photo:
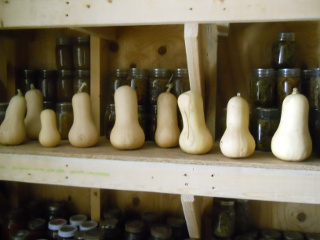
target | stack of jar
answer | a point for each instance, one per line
(148, 85)
(269, 87)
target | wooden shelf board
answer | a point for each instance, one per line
(261, 177)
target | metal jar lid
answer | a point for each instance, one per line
(109, 223)
(94, 234)
(289, 72)
(36, 223)
(287, 36)
(176, 221)
(263, 72)
(161, 231)
(180, 72)
(135, 226)
(64, 40)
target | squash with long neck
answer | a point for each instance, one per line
(292, 141)
(83, 132)
(195, 137)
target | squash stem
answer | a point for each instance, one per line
(19, 92)
(32, 86)
(82, 86)
(169, 86)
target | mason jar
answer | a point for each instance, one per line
(81, 52)
(287, 79)
(314, 89)
(224, 221)
(28, 77)
(80, 77)
(109, 119)
(305, 82)
(65, 86)
(284, 51)
(180, 81)
(64, 113)
(135, 230)
(47, 85)
(138, 80)
(118, 79)
(64, 53)
(158, 83)
(263, 87)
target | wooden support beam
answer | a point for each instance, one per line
(95, 203)
(107, 33)
(192, 212)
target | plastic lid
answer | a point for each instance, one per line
(56, 224)
(36, 223)
(87, 225)
(67, 231)
(176, 221)
(76, 220)
(135, 226)
(161, 231)
(109, 223)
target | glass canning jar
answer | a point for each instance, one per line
(314, 126)
(94, 234)
(22, 234)
(135, 230)
(291, 235)
(65, 86)
(81, 52)
(178, 227)
(151, 123)
(287, 79)
(14, 221)
(159, 79)
(53, 227)
(161, 232)
(138, 80)
(81, 76)
(109, 119)
(47, 85)
(3, 109)
(111, 228)
(242, 215)
(180, 81)
(263, 87)
(37, 227)
(28, 77)
(314, 88)
(265, 122)
(64, 53)
(118, 79)
(224, 221)
(284, 51)
(305, 82)
(64, 113)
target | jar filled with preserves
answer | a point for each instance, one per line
(49, 105)
(161, 232)
(81, 52)
(94, 234)
(152, 122)
(287, 79)
(109, 119)
(158, 82)
(66, 232)
(56, 210)
(314, 126)
(111, 228)
(53, 227)
(3, 109)
(65, 86)
(64, 53)
(263, 87)
(142, 117)
(81, 76)
(180, 81)
(28, 77)
(178, 227)
(284, 51)
(47, 85)
(314, 90)
(37, 227)
(224, 221)
(64, 113)
(135, 230)
(305, 82)
(118, 79)
(151, 218)
(15, 220)
(138, 80)
(242, 215)
(265, 123)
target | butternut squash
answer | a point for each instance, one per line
(83, 132)
(195, 137)
(167, 133)
(49, 135)
(292, 141)
(13, 130)
(126, 133)
(34, 100)
(237, 141)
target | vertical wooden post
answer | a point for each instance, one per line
(95, 204)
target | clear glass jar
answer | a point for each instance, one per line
(64, 53)
(49, 105)
(79, 235)
(53, 227)
(242, 216)
(76, 220)
(64, 86)
(161, 232)
(264, 124)
(224, 221)
(314, 89)
(111, 228)
(271, 234)
(28, 77)
(142, 117)
(22, 234)
(180, 81)
(263, 87)
(87, 225)
(109, 119)
(81, 52)
(152, 123)
(314, 126)
(151, 218)
(305, 82)
(47, 85)
(138, 80)
(81, 76)
(64, 113)
(37, 227)
(284, 51)
(66, 232)
(118, 79)
(3, 109)
(15, 220)
(135, 230)
(94, 234)
(159, 78)
(287, 79)
(178, 227)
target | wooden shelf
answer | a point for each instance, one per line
(261, 177)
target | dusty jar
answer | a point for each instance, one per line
(64, 54)
(287, 79)
(81, 52)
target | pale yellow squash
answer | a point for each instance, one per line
(167, 133)
(237, 141)
(49, 135)
(83, 132)
(195, 137)
(127, 133)
(34, 100)
(13, 130)
(292, 141)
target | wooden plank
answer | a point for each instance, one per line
(100, 32)
(95, 203)
(191, 34)
(165, 170)
(192, 213)
(47, 13)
